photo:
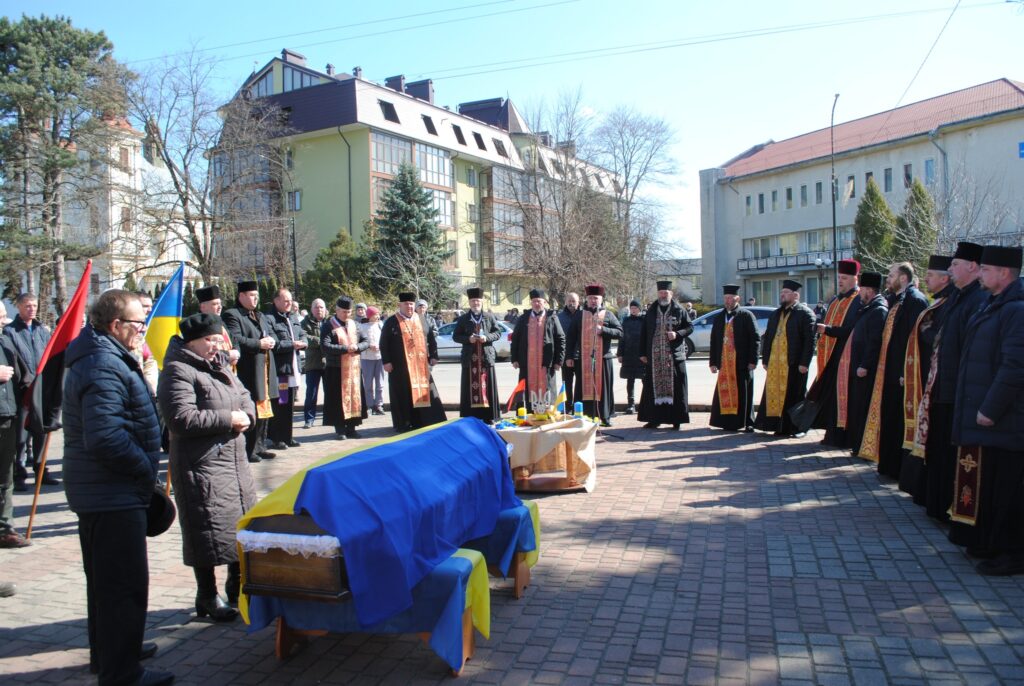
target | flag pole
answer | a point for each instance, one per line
(39, 484)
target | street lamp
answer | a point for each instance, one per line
(822, 264)
(835, 190)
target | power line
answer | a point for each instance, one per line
(329, 28)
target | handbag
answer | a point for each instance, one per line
(161, 512)
(803, 414)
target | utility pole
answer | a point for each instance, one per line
(835, 190)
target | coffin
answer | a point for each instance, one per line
(289, 556)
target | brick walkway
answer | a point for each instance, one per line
(702, 557)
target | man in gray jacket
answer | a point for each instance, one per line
(12, 378)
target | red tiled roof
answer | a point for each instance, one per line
(917, 118)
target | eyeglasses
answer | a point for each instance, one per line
(141, 324)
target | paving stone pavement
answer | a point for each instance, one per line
(702, 558)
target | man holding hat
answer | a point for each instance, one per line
(538, 350)
(589, 351)
(786, 355)
(344, 397)
(733, 357)
(630, 366)
(211, 303)
(477, 331)
(883, 432)
(918, 377)
(286, 327)
(988, 422)
(252, 336)
(855, 370)
(840, 318)
(940, 453)
(663, 400)
(408, 351)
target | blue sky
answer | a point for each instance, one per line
(738, 72)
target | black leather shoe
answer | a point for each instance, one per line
(20, 486)
(631, 409)
(339, 436)
(149, 649)
(1003, 565)
(293, 444)
(47, 478)
(352, 433)
(267, 455)
(255, 458)
(675, 427)
(232, 587)
(151, 677)
(7, 589)
(215, 608)
(651, 425)
(279, 445)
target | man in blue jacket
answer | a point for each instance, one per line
(988, 422)
(111, 454)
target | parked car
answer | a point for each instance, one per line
(700, 340)
(447, 349)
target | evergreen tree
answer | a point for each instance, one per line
(874, 230)
(918, 230)
(129, 283)
(409, 249)
(339, 269)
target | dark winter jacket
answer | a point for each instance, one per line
(678, 322)
(287, 331)
(246, 329)
(567, 320)
(12, 389)
(953, 337)
(799, 333)
(30, 343)
(630, 366)
(213, 486)
(991, 375)
(466, 327)
(111, 430)
(866, 337)
(744, 333)
(314, 359)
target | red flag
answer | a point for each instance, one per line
(46, 393)
(521, 386)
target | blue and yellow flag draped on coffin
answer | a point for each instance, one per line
(163, 320)
(400, 507)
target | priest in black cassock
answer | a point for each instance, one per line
(477, 331)
(840, 318)
(342, 341)
(407, 352)
(538, 350)
(786, 355)
(664, 400)
(589, 347)
(855, 374)
(733, 357)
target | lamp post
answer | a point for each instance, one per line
(295, 262)
(835, 189)
(822, 264)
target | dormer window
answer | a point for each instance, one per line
(388, 110)
(479, 141)
(429, 123)
(500, 147)
(458, 134)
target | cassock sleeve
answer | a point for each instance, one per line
(717, 337)
(1009, 380)
(873, 344)
(612, 326)
(387, 353)
(558, 352)
(806, 337)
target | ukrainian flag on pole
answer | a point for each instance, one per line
(560, 400)
(163, 320)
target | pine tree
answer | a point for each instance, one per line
(129, 283)
(339, 269)
(874, 230)
(409, 250)
(918, 230)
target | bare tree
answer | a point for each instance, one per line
(973, 207)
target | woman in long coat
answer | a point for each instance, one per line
(207, 410)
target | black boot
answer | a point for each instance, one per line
(233, 585)
(208, 603)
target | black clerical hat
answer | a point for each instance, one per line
(791, 285)
(871, 280)
(939, 263)
(246, 286)
(968, 251)
(664, 285)
(343, 303)
(538, 293)
(474, 293)
(730, 289)
(406, 297)
(1001, 256)
(207, 293)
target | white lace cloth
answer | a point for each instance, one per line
(295, 544)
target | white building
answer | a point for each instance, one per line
(766, 214)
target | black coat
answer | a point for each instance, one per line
(867, 335)
(913, 303)
(629, 351)
(953, 338)
(680, 324)
(284, 328)
(744, 333)
(392, 347)
(111, 429)
(466, 327)
(554, 341)
(991, 375)
(246, 329)
(611, 330)
(332, 350)
(12, 389)
(568, 320)
(799, 333)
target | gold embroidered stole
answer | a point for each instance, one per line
(873, 425)
(592, 354)
(347, 334)
(414, 344)
(843, 383)
(728, 386)
(834, 316)
(264, 408)
(477, 373)
(536, 373)
(778, 369)
(924, 409)
(967, 487)
(912, 391)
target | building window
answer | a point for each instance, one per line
(294, 79)
(760, 203)
(803, 195)
(851, 186)
(818, 193)
(479, 141)
(887, 180)
(471, 177)
(388, 110)
(558, 167)
(540, 164)
(474, 213)
(458, 134)
(289, 159)
(294, 201)
(433, 165)
(453, 255)
(389, 152)
(443, 204)
(124, 157)
(750, 205)
(429, 123)
(500, 147)
(908, 175)
(265, 86)
(789, 198)
(867, 178)
(929, 172)
(494, 293)
(472, 251)
(126, 220)
(378, 189)
(775, 201)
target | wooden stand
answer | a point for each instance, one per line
(468, 640)
(560, 480)
(520, 574)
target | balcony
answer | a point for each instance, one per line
(796, 260)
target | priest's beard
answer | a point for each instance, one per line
(663, 301)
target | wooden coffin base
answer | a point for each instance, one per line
(520, 574)
(289, 637)
(545, 482)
